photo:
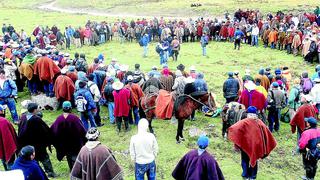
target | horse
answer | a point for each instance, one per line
(186, 104)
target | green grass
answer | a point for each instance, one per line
(221, 59)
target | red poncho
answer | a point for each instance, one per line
(46, 69)
(64, 88)
(8, 139)
(121, 105)
(253, 98)
(253, 137)
(164, 105)
(304, 111)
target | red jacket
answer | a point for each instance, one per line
(121, 102)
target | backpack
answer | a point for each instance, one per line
(307, 85)
(81, 103)
(81, 65)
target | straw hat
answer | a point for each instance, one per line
(192, 68)
(117, 85)
(189, 80)
(250, 86)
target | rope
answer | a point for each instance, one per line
(210, 106)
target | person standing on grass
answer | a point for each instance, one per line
(108, 90)
(309, 148)
(30, 168)
(204, 41)
(254, 140)
(121, 104)
(238, 35)
(254, 35)
(143, 151)
(68, 135)
(144, 42)
(95, 161)
(198, 164)
(8, 143)
(94, 90)
(175, 48)
(231, 88)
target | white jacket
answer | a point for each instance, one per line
(315, 93)
(93, 88)
(255, 31)
(143, 146)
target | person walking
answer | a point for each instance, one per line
(231, 88)
(143, 151)
(238, 35)
(122, 103)
(144, 42)
(204, 41)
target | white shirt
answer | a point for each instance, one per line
(93, 88)
(143, 148)
(315, 93)
(255, 31)
(12, 175)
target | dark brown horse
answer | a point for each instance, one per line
(183, 108)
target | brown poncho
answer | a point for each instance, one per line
(96, 162)
(26, 70)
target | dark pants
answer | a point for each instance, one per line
(68, 41)
(97, 117)
(175, 55)
(247, 170)
(71, 159)
(232, 99)
(273, 119)
(119, 122)
(7, 165)
(47, 165)
(149, 169)
(310, 165)
(32, 85)
(237, 43)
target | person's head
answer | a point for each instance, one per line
(66, 106)
(113, 61)
(258, 81)
(83, 56)
(304, 74)
(96, 60)
(91, 77)
(230, 74)
(275, 85)
(76, 55)
(2, 74)
(93, 134)
(1, 109)
(82, 84)
(129, 78)
(27, 153)
(32, 108)
(311, 122)
(137, 66)
(261, 71)
(143, 125)
(203, 142)
(296, 81)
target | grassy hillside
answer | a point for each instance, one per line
(281, 164)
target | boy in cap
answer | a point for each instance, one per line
(309, 147)
(198, 164)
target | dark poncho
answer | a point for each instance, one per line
(31, 169)
(34, 132)
(69, 135)
(195, 167)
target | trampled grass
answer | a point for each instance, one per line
(281, 164)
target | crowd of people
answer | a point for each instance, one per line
(38, 63)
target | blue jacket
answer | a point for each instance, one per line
(239, 34)
(201, 85)
(230, 88)
(9, 88)
(88, 96)
(204, 41)
(145, 40)
(31, 169)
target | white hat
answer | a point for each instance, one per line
(64, 71)
(189, 80)
(192, 68)
(307, 97)
(316, 80)
(67, 55)
(247, 72)
(113, 60)
(117, 85)
(15, 45)
(130, 78)
(60, 53)
(250, 86)
(124, 67)
(154, 68)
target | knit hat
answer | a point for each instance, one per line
(252, 110)
(275, 85)
(27, 151)
(92, 134)
(203, 142)
(66, 105)
(311, 120)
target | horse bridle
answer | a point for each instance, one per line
(196, 100)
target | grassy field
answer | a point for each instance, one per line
(281, 164)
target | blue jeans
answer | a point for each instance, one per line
(204, 50)
(145, 51)
(273, 119)
(85, 116)
(102, 38)
(48, 89)
(247, 170)
(12, 107)
(254, 40)
(141, 169)
(273, 45)
(32, 86)
(162, 59)
(136, 116)
(110, 109)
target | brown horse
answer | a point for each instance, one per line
(183, 108)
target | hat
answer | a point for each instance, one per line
(69, 61)
(316, 80)
(189, 80)
(15, 45)
(252, 109)
(279, 82)
(27, 151)
(66, 105)
(124, 67)
(117, 85)
(250, 86)
(67, 55)
(178, 73)
(64, 71)
(181, 67)
(236, 73)
(154, 68)
(92, 134)
(24, 105)
(277, 71)
(113, 60)
(192, 68)
(311, 120)
(230, 74)
(203, 142)
(247, 72)
(130, 78)
(275, 84)
(71, 68)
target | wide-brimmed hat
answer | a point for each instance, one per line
(189, 80)
(247, 72)
(192, 68)
(117, 85)
(124, 67)
(250, 86)
(130, 78)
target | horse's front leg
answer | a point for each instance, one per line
(150, 125)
